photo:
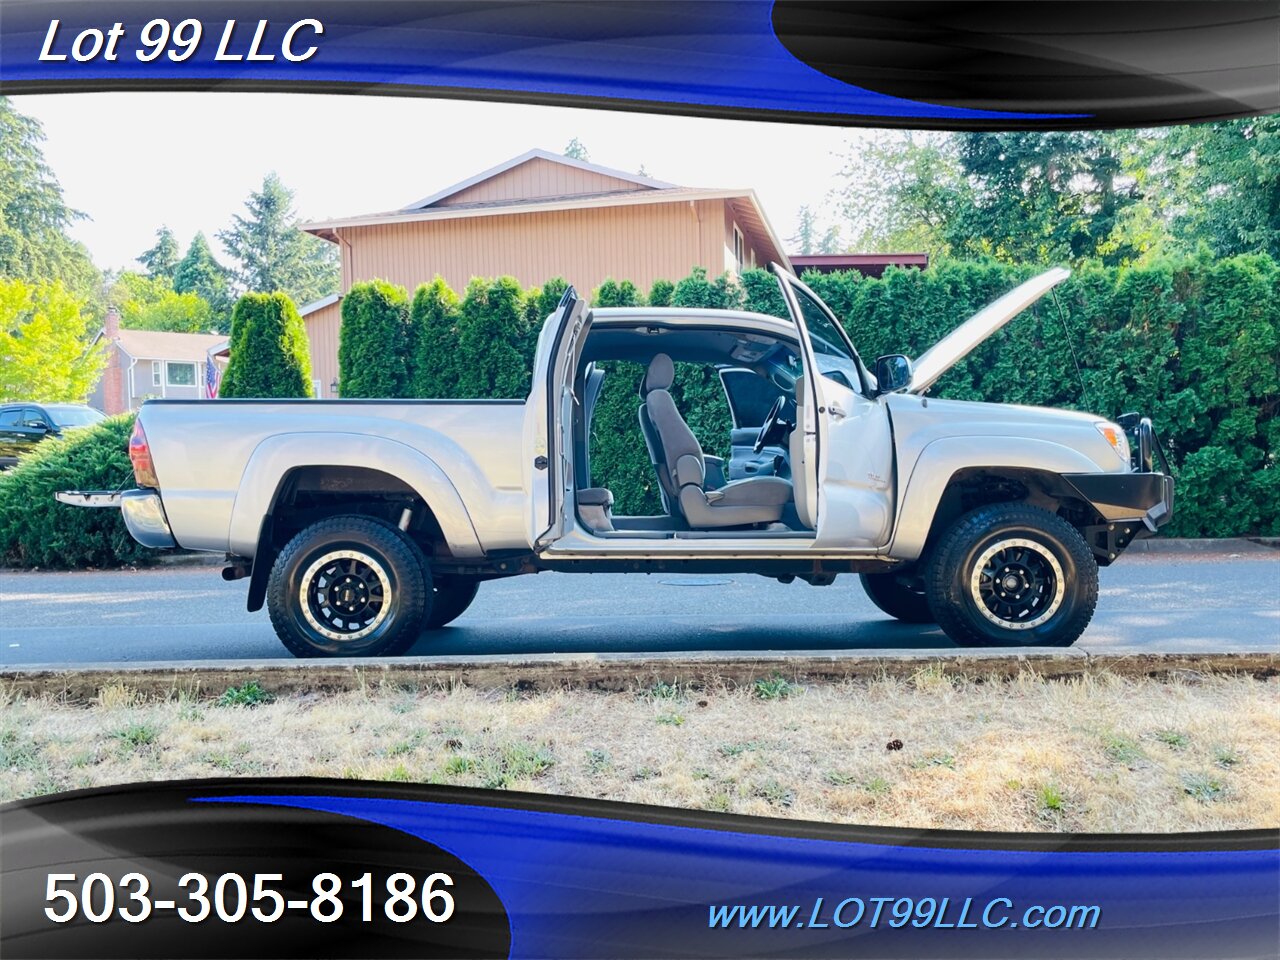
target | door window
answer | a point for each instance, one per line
(10, 417)
(750, 396)
(835, 358)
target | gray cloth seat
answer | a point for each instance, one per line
(682, 468)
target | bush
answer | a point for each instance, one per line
(270, 356)
(376, 341)
(37, 531)
(433, 370)
(492, 340)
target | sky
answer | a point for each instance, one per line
(135, 161)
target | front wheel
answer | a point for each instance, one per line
(350, 586)
(1008, 574)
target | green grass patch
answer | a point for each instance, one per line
(248, 694)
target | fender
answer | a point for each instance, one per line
(272, 459)
(941, 459)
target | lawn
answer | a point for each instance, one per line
(1090, 753)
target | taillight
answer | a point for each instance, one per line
(144, 471)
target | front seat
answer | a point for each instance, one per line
(740, 503)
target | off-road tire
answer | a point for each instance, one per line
(895, 598)
(398, 572)
(452, 597)
(956, 595)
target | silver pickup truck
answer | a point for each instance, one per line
(363, 523)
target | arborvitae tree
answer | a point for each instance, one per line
(199, 273)
(433, 371)
(273, 254)
(376, 341)
(660, 293)
(614, 294)
(162, 259)
(491, 335)
(270, 356)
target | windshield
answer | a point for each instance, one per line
(69, 416)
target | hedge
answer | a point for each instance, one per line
(376, 342)
(269, 352)
(1195, 344)
(37, 531)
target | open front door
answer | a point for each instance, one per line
(842, 462)
(549, 421)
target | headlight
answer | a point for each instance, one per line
(1115, 436)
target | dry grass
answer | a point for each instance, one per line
(1091, 754)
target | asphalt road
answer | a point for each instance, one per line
(1193, 603)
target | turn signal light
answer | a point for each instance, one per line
(1116, 437)
(144, 471)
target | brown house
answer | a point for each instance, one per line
(537, 216)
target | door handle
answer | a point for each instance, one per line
(837, 411)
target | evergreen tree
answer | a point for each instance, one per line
(576, 151)
(433, 372)
(33, 216)
(491, 337)
(375, 342)
(273, 254)
(806, 231)
(161, 260)
(614, 294)
(199, 273)
(270, 356)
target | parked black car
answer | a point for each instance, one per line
(23, 425)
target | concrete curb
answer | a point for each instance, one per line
(606, 672)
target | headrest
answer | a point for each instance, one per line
(660, 375)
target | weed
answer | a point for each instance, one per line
(877, 786)
(136, 735)
(664, 691)
(671, 719)
(700, 773)
(738, 749)
(249, 694)
(598, 762)
(1050, 798)
(775, 794)
(645, 773)
(935, 760)
(1202, 787)
(1172, 739)
(399, 773)
(838, 779)
(1226, 757)
(776, 687)
(1121, 749)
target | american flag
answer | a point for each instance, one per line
(212, 378)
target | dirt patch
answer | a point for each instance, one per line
(1089, 753)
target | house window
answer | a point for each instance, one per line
(156, 367)
(739, 248)
(181, 374)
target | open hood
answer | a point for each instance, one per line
(955, 346)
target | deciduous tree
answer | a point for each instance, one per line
(45, 354)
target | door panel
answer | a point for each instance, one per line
(848, 456)
(745, 462)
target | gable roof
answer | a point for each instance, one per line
(158, 345)
(634, 179)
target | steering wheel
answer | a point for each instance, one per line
(771, 421)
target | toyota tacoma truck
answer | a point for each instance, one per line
(360, 524)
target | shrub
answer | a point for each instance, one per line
(614, 294)
(376, 341)
(433, 370)
(270, 356)
(37, 531)
(492, 334)
(660, 293)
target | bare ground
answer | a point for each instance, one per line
(1087, 754)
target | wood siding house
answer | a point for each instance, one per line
(537, 216)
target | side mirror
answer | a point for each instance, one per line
(893, 372)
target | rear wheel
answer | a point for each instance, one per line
(452, 597)
(349, 586)
(899, 594)
(1009, 574)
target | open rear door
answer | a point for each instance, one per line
(549, 421)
